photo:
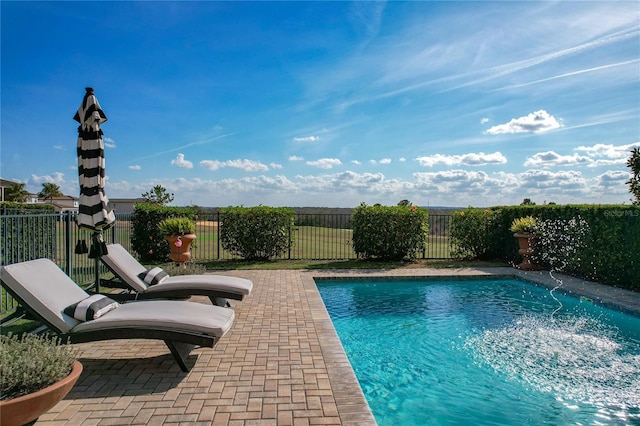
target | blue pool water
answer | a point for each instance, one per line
(486, 352)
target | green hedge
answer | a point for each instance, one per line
(389, 232)
(610, 246)
(146, 239)
(256, 232)
(10, 207)
(472, 232)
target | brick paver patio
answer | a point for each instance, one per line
(281, 364)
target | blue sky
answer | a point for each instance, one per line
(328, 104)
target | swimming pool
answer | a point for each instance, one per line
(486, 351)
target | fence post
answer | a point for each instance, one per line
(68, 250)
(113, 230)
(289, 239)
(218, 231)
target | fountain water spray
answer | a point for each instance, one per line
(558, 246)
(579, 359)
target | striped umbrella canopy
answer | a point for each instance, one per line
(93, 211)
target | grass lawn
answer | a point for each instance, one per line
(346, 264)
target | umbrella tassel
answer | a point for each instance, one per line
(81, 247)
(94, 253)
(98, 247)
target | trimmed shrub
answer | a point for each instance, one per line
(472, 232)
(147, 240)
(389, 232)
(256, 233)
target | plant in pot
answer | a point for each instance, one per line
(36, 373)
(524, 231)
(179, 232)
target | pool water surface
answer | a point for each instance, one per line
(486, 352)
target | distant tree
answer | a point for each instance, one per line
(16, 192)
(158, 195)
(50, 190)
(404, 203)
(634, 183)
(527, 202)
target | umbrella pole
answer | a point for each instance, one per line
(96, 242)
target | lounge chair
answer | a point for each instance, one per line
(127, 271)
(45, 291)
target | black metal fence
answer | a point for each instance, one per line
(54, 236)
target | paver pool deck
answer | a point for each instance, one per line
(281, 364)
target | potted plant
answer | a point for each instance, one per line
(524, 231)
(36, 373)
(179, 232)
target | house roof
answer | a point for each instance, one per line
(6, 183)
(127, 200)
(62, 198)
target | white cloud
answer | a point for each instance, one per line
(614, 181)
(607, 154)
(348, 188)
(484, 120)
(307, 139)
(536, 122)
(135, 167)
(457, 183)
(181, 162)
(614, 175)
(381, 161)
(544, 179)
(402, 159)
(242, 164)
(212, 164)
(471, 159)
(295, 158)
(58, 147)
(109, 143)
(275, 166)
(356, 162)
(325, 163)
(435, 178)
(603, 162)
(56, 177)
(551, 158)
(349, 179)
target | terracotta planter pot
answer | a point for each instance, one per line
(180, 245)
(526, 247)
(27, 408)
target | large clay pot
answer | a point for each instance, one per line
(27, 408)
(525, 244)
(179, 245)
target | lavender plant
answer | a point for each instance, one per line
(31, 363)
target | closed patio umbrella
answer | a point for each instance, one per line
(93, 211)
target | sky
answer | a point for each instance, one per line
(328, 104)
